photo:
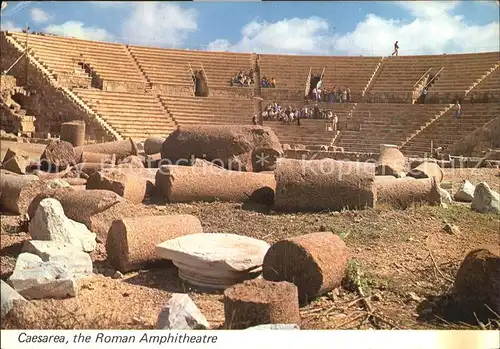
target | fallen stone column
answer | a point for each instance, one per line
(153, 145)
(317, 185)
(205, 163)
(131, 242)
(316, 263)
(59, 154)
(234, 147)
(130, 187)
(50, 175)
(80, 205)
(145, 174)
(50, 193)
(132, 162)
(89, 168)
(101, 222)
(97, 158)
(73, 132)
(121, 149)
(18, 191)
(76, 181)
(405, 192)
(391, 162)
(427, 170)
(259, 302)
(210, 183)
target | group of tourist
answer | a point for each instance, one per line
(37, 33)
(286, 115)
(268, 82)
(243, 79)
(336, 94)
(289, 114)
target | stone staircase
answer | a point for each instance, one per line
(482, 78)
(13, 116)
(446, 130)
(372, 78)
(67, 92)
(149, 85)
(424, 126)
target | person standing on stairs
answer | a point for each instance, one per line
(424, 94)
(458, 110)
(396, 48)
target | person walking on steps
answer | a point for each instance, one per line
(396, 49)
(458, 110)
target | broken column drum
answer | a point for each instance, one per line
(427, 170)
(235, 147)
(391, 162)
(131, 242)
(73, 132)
(316, 263)
(121, 149)
(259, 302)
(210, 183)
(317, 185)
(404, 192)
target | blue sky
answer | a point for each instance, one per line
(340, 28)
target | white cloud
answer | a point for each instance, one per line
(295, 35)
(40, 16)
(160, 24)
(10, 25)
(433, 29)
(78, 30)
(219, 45)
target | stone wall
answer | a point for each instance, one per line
(123, 86)
(232, 92)
(173, 90)
(72, 81)
(48, 104)
(388, 97)
(444, 97)
(282, 94)
(342, 156)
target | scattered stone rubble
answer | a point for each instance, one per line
(180, 313)
(98, 193)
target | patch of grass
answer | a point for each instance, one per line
(461, 213)
(341, 233)
(355, 277)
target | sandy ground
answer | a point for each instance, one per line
(405, 258)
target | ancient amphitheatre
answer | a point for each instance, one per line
(386, 251)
